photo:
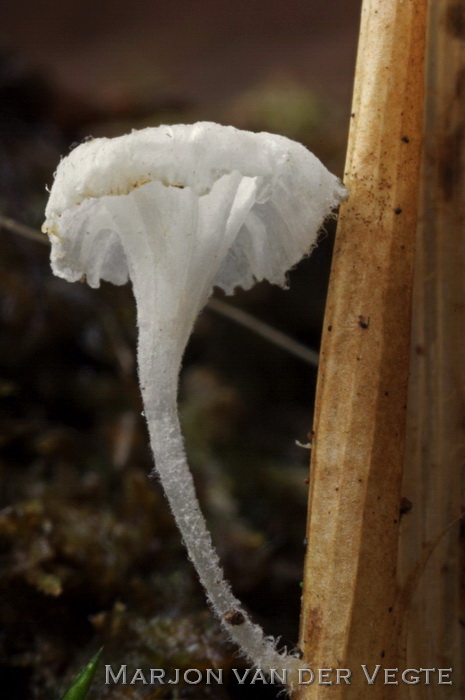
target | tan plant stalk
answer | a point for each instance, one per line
(350, 580)
(435, 456)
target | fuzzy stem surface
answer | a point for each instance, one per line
(159, 381)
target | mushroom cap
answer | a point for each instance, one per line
(275, 197)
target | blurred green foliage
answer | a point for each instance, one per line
(83, 680)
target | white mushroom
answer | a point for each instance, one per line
(179, 210)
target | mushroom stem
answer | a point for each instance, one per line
(159, 391)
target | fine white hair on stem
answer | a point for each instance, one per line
(179, 210)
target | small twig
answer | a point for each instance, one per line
(124, 439)
(265, 331)
(23, 230)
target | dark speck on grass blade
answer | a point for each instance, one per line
(83, 680)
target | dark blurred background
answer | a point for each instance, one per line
(88, 550)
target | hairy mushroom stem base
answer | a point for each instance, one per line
(159, 391)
